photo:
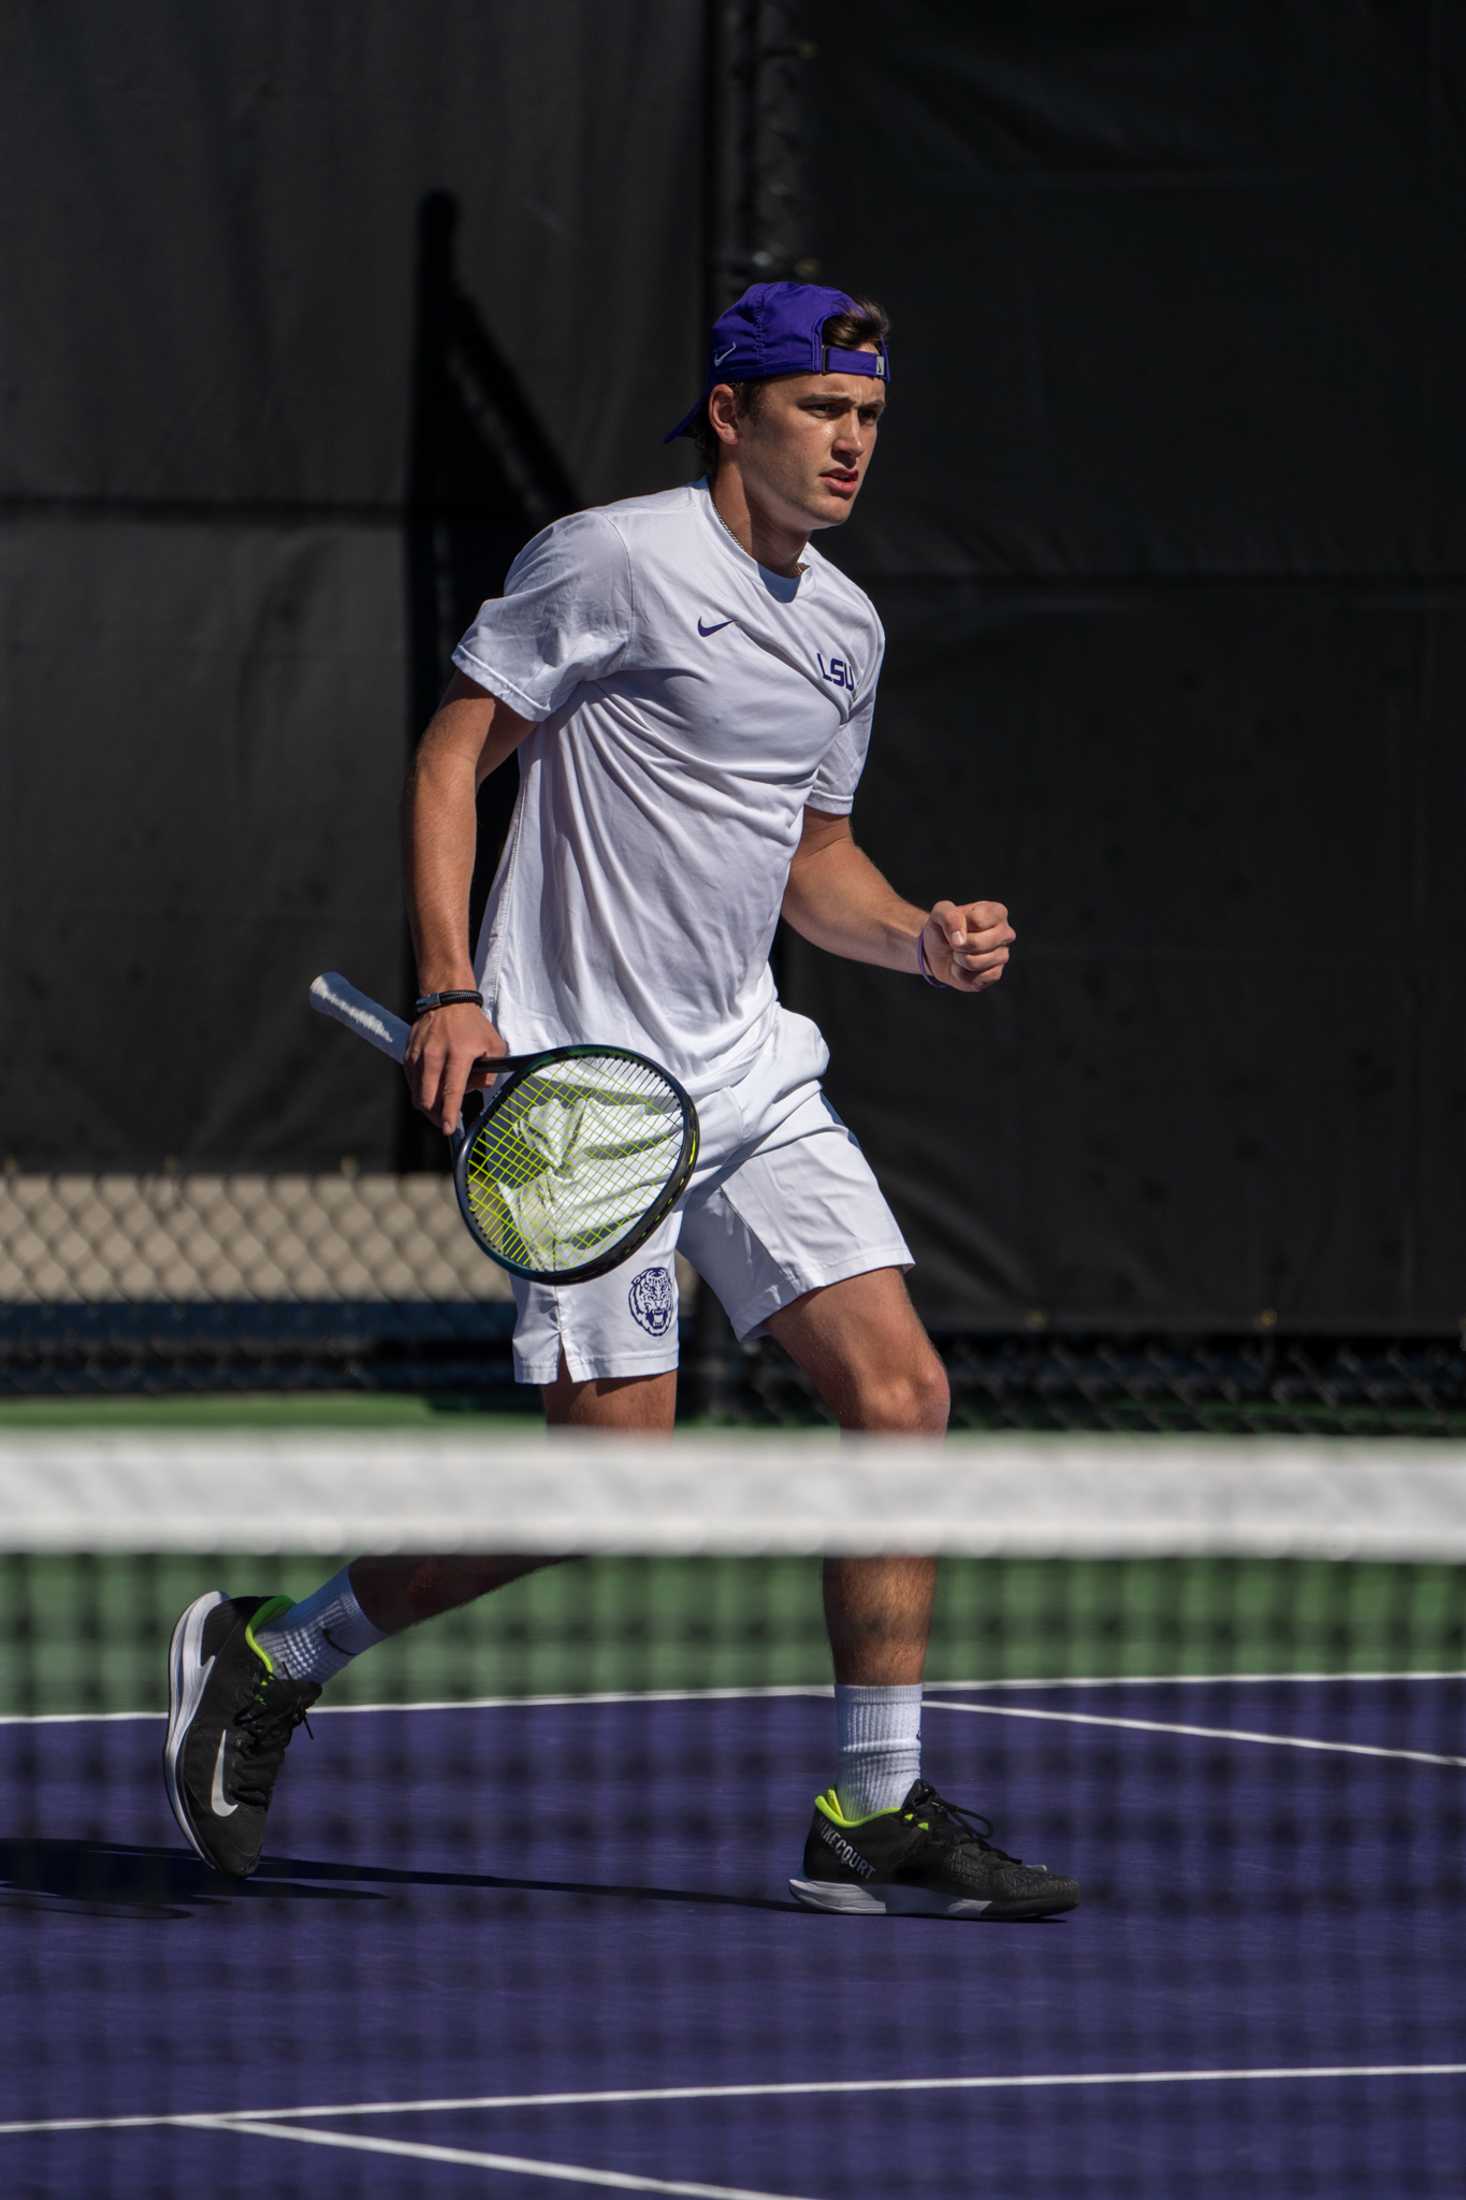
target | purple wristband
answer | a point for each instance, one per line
(922, 964)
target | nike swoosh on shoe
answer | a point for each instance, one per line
(218, 1802)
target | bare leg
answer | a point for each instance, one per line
(867, 1354)
(398, 1592)
(622, 1404)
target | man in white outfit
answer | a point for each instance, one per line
(689, 687)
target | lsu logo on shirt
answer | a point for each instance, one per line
(839, 672)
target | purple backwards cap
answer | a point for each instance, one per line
(779, 328)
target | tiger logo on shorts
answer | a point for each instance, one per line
(653, 1300)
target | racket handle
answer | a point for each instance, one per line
(333, 995)
(336, 996)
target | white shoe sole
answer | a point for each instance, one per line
(187, 1675)
(848, 1899)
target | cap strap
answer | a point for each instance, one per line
(855, 362)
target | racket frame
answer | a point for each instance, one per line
(621, 1248)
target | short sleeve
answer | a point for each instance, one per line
(844, 760)
(565, 617)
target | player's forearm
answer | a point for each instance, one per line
(839, 901)
(439, 833)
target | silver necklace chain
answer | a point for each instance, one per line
(727, 530)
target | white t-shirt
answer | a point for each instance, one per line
(688, 704)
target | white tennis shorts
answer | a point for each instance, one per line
(782, 1201)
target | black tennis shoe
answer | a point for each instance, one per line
(927, 1858)
(230, 1719)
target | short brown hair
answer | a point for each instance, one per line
(866, 323)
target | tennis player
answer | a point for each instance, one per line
(689, 686)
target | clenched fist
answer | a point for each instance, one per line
(967, 944)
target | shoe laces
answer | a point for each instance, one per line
(265, 1726)
(953, 1821)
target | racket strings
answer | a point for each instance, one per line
(571, 1158)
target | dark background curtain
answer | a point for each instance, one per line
(313, 316)
(1168, 533)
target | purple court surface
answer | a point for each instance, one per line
(549, 1949)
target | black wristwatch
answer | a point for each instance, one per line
(426, 1002)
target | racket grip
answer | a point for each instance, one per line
(333, 995)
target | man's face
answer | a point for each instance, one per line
(804, 448)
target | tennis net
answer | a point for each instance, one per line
(523, 1918)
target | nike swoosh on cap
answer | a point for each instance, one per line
(716, 628)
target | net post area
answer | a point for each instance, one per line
(527, 1904)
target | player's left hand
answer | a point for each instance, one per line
(967, 944)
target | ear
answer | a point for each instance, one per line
(723, 413)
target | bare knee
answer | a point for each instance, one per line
(912, 1399)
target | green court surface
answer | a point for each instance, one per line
(95, 1631)
(263, 1410)
(439, 1409)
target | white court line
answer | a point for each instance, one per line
(782, 2089)
(592, 1696)
(1200, 1733)
(569, 2173)
(730, 1695)
(1183, 1680)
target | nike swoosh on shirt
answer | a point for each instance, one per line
(217, 1803)
(715, 629)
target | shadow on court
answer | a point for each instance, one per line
(103, 1875)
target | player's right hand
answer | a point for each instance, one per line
(443, 1050)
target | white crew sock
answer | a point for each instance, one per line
(878, 1734)
(316, 1637)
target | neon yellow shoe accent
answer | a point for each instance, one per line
(270, 1609)
(829, 1804)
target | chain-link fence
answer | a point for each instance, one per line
(169, 1283)
(173, 1282)
(1235, 1385)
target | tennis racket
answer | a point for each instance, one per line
(575, 1157)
